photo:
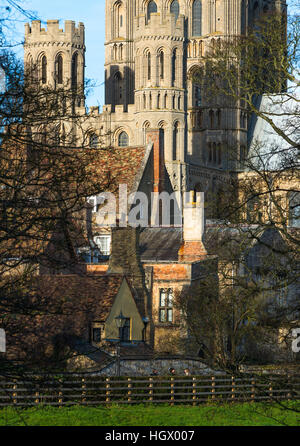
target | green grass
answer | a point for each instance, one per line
(250, 414)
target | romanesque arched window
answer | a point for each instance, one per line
(44, 70)
(219, 154)
(243, 17)
(93, 141)
(59, 69)
(118, 88)
(255, 11)
(158, 101)
(210, 152)
(75, 70)
(30, 71)
(123, 140)
(161, 65)
(197, 95)
(174, 66)
(152, 8)
(175, 141)
(119, 22)
(197, 18)
(214, 153)
(211, 119)
(219, 118)
(149, 66)
(174, 9)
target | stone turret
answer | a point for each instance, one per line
(58, 55)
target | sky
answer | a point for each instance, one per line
(92, 14)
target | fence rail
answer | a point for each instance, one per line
(87, 390)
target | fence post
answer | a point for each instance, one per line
(37, 400)
(129, 389)
(253, 389)
(150, 389)
(107, 392)
(83, 393)
(213, 383)
(270, 390)
(289, 387)
(172, 391)
(15, 392)
(232, 388)
(194, 391)
(60, 394)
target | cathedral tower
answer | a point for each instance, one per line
(119, 53)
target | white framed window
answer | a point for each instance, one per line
(103, 243)
(166, 305)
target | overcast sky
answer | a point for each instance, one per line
(92, 14)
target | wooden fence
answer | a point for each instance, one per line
(70, 390)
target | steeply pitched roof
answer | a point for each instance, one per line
(80, 294)
(123, 166)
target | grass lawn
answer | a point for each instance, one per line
(250, 414)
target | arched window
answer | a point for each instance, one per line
(211, 119)
(44, 70)
(294, 209)
(59, 69)
(165, 100)
(255, 11)
(158, 101)
(243, 17)
(118, 88)
(175, 141)
(173, 102)
(174, 9)
(162, 138)
(197, 18)
(123, 140)
(119, 21)
(93, 141)
(219, 118)
(197, 95)
(75, 70)
(214, 153)
(149, 66)
(210, 152)
(152, 8)
(174, 63)
(219, 154)
(161, 65)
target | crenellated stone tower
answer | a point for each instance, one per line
(58, 56)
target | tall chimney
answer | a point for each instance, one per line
(192, 248)
(154, 136)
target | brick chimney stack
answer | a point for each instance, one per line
(154, 136)
(193, 248)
